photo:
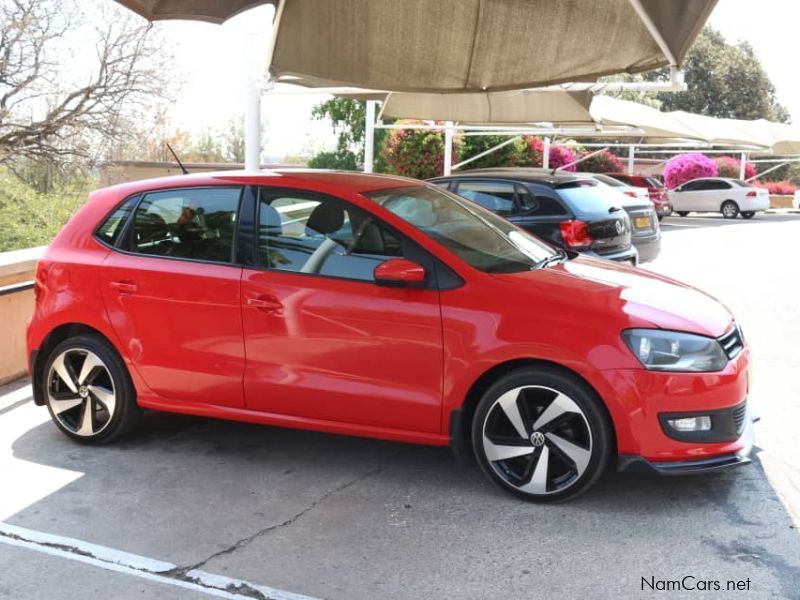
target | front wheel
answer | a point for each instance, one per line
(542, 434)
(88, 391)
(730, 210)
(748, 214)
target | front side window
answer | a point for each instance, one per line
(479, 238)
(322, 236)
(188, 223)
(496, 196)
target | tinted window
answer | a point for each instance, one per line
(588, 197)
(187, 223)
(540, 205)
(692, 186)
(496, 196)
(478, 237)
(324, 236)
(741, 183)
(111, 228)
(716, 184)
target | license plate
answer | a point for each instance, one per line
(641, 222)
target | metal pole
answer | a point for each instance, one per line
(631, 157)
(546, 154)
(581, 159)
(742, 165)
(448, 147)
(252, 109)
(778, 166)
(485, 152)
(369, 137)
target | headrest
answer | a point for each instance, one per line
(326, 218)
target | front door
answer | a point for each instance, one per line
(323, 340)
(172, 295)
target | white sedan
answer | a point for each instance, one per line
(731, 197)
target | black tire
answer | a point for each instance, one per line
(683, 213)
(660, 218)
(111, 415)
(570, 468)
(729, 209)
(748, 214)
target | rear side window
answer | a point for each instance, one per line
(716, 184)
(540, 205)
(587, 198)
(496, 196)
(187, 223)
(112, 227)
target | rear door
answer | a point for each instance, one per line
(498, 196)
(541, 212)
(688, 197)
(713, 194)
(171, 289)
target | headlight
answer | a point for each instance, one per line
(660, 350)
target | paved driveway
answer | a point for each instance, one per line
(191, 508)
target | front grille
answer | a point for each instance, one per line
(738, 417)
(732, 342)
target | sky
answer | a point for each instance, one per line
(212, 59)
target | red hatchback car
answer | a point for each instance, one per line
(383, 307)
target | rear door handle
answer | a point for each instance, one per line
(265, 303)
(125, 287)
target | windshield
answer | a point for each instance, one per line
(478, 237)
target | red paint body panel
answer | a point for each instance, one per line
(357, 358)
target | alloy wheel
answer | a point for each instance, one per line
(80, 392)
(729, 210)
(537, 440)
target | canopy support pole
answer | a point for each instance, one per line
(631, 158)
(546, 154)
(448, 148)
(485, 152)
(369, 137)
(778, 166)
(742, 165)
(255, 85)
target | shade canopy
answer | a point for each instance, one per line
(450, 46)
(499, 108)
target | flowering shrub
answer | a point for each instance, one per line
(685, 167)
(602, 162)
(728, 166)
(559, 155)
(778, 188)
(416, 153)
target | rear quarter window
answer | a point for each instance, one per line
(110, 229)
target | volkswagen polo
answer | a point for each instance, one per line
(383, 307)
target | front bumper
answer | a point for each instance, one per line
(638, 464)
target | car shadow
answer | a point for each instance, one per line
(694, 220)
(183, 489)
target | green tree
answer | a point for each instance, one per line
(510, 155)
(348, 118)
(724, 80)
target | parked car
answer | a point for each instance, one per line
(645, 231)
(654, 186)
(381, 307)
(731, 197)
(570, 211)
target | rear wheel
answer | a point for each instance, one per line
(730, 209)
(541, 433)
(683, 213)
(748, 214)
(88, 390)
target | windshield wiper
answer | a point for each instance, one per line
(557, 258)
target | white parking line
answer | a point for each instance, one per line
(143, 567)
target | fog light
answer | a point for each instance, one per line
(691, 424)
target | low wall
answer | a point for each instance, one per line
(776, 201)
(17, 272)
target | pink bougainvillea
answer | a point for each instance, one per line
(685, 167)
(559, 155)
(778, 188)
(728, 166)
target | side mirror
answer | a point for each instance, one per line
(399, 272)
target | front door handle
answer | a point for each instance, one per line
(125, 287)
(265, 303)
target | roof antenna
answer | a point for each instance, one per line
(177, 160)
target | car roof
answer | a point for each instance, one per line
(526, 174)
(349, 181)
